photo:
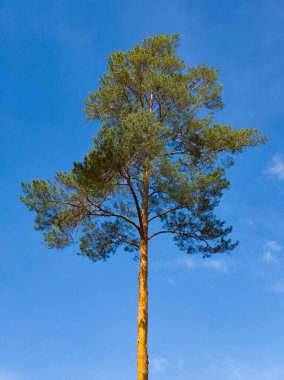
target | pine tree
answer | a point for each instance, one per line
(158, 155)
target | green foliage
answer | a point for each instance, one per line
(99, 241)
(159, 153)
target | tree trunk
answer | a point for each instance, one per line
(142, 348)
(142, 321)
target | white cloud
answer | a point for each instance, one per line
(208, 263)
(271, 248)
(157, 364)
(276, 167)
(267, 256)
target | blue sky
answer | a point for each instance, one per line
(64, 317)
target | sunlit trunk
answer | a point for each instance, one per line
(142, 346)
(142, 320)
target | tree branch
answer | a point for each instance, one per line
(128, 178)
(188, 235)
(171, 232)
(168, 211)
(174, 209)
(111, 213)
(104, 212)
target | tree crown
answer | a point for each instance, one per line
(159, 154)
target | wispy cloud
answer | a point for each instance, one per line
(278, 286)
(271, 248)
(170, 281)
(273, 273)
(157, 364)
(181, 364)
(236, 371)
(276, 167)
(208, 263)
(8, 376)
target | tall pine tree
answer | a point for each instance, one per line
(159, 154)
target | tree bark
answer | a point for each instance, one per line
(142, 321)
(142, 341)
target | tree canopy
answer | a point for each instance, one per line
(159, 154)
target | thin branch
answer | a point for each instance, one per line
(174, 152)
(177, 232)
(157, 191)
(170, 232)
(168, 211)
(135, 198)
(174, 209)
(111, 213)
(129, 242)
